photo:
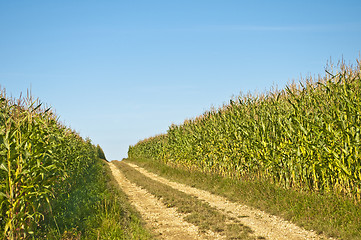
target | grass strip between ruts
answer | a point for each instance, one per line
(197, 212)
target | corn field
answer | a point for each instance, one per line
(40, 161)
(305, 136)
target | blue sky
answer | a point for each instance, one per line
(121, 71)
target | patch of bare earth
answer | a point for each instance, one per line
(263, 224)
(164, 221)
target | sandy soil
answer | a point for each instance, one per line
(263, 224)
(164, 221)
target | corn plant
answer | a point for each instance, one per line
(40, 161)
(305, 136)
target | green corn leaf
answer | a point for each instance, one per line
(3, 167)
(3, 195)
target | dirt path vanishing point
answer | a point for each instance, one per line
(261, 223)
(165, 221)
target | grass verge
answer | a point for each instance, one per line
(324, 213)
(197, 212)
(100, 211)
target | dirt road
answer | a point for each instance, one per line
(164, 221)
(169, 224)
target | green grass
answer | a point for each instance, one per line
(101, 211)
(324, 213)
(197, 212)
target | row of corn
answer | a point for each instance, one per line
(40, 160)
(305, 136)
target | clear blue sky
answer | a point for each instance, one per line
(120, 71)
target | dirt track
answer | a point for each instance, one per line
(170, 225)
(164, 221)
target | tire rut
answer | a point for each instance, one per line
(164, 221)
(263, 224)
